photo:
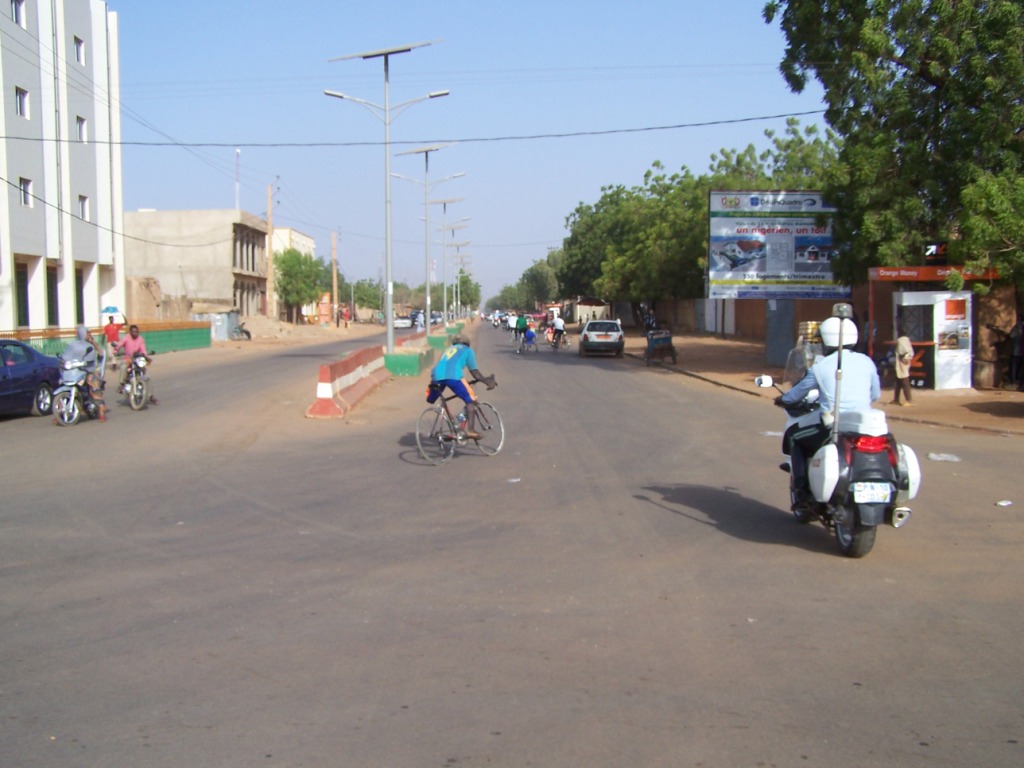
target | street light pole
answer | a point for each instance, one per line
(386, 54)
(444, 248)
(425, 151)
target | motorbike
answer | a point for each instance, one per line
(239, 332)
(73, 399)
(136, 382)
(860, 479)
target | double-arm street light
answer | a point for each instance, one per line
(384, 113)
(427, 186)
(444, 243)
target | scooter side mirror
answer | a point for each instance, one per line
(764, 381)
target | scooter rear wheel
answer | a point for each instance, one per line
(856, 540)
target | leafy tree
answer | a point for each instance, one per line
(298, 279)
(368, 293)
(928, 97)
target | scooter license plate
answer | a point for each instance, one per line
(871, 493)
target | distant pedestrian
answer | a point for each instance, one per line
(904, 358)
(1017, 352)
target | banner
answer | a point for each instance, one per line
(771, 245)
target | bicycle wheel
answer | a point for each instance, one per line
(492, 431)
(435, 436)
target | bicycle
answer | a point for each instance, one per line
(525, 345)
(438, 432)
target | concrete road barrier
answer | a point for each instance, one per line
(344, 383)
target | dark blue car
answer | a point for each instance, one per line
(27, 379)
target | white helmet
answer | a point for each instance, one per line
(829, 331)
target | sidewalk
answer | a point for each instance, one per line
(734, 363)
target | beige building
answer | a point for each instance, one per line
(185, 264)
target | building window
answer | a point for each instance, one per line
(80, 51)
(25, 188)
(52, 317)
(21, 102)
(79, 296)
(21, 293)
(83, 207)
(18, 12)
(82, 126)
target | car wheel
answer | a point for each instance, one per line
(583, 352)
(42, 403)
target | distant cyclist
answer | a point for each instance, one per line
(521, 325)
(559, 325)
(448, 373)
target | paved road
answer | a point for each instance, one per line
(221, 582)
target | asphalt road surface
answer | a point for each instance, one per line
(218, 581)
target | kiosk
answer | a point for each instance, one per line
(939, 325)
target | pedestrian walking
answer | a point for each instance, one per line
(904, 358)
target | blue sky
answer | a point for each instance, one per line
(521, 76)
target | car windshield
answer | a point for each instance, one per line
(602, 327)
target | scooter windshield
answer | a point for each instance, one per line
(800, 359)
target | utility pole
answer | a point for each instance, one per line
(334, 274)
(271, 298)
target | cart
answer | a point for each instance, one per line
(659, 346)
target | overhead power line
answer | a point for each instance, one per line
(467, 140)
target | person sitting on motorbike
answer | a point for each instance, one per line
(448, 373)
(860, 388)
(559, 325)
(529, 337)
(132, 344)
(85, 348)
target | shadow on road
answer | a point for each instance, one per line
(740, 517)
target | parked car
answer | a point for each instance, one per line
(603, 336)
(403, 321)
(27, 379)
(436, 318)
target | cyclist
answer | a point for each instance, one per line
(522, 323)
(448, 373)
(559, 325)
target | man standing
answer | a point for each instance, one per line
(112, 333)
(904, 357)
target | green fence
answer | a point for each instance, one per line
(160, 337)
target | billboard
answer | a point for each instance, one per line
(771, 245)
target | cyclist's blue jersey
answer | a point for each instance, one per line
(452, 362)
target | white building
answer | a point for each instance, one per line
(61, 248)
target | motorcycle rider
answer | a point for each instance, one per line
(860, 388)
(132, 344)
(448, 373)
(85, 348)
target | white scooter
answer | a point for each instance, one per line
(860, 478)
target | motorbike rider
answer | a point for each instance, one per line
(448, 373)
(84, 347)
(132, 344)
(860, 388)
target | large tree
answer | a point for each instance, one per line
(928, 99)
(299, 279)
